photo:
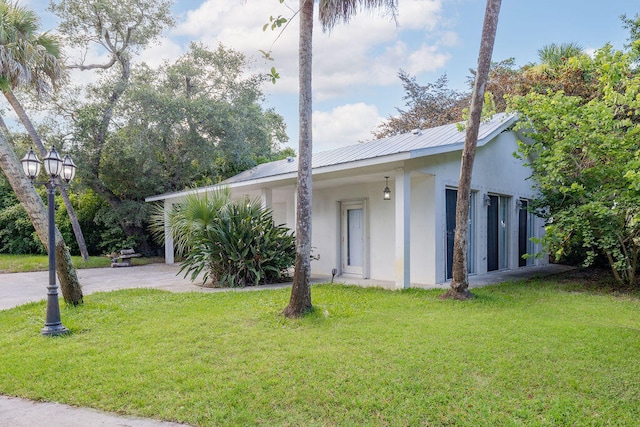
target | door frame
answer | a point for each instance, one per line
(498, 232)
(450, 228)
(345, 205)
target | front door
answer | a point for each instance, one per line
(497, 233)
(352, 239)
(525, 234)
(450, 207)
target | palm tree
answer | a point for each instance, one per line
(554, 55)
(460, 274)
(331, 11)
(49, 69)
(26, 61)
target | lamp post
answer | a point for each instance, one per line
(64, 169)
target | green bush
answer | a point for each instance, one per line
(233, 243)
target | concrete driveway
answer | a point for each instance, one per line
(21, 288)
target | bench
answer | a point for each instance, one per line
(124, 258)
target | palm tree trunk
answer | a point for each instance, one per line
(300, 301)
(24, 118)
(26, 193)
(460, 274)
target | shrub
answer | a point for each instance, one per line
(233, 243)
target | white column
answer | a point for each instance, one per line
(168, 238)
(402, 199)
(265, 198)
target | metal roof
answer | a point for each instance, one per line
(417, 143)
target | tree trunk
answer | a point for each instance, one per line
(300, 301)
(24, 118)
(26, 193)
(460, 274)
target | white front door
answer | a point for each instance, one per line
(352, 238)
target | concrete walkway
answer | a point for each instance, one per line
(21, 288)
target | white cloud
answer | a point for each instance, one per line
(366, 51)
(344, 125)
(165, 50)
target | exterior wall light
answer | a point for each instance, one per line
(386, 193)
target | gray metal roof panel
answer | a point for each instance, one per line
(441, 136)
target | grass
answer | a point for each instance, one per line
(526, 353)
(25, 263)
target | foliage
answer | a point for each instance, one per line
(102, 232)
(114, 26)
(429, 105)
(17, 235)
(233, 242)
(583, 151)
(633, 26)
(141, 131)
(539, 353)
(555, 55)
(435, 104)
(29, 58)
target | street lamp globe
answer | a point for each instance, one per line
(68, 169)
(53, 163)
(31, 164)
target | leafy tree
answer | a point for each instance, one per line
(143, 131)
(583, 151)
(429, 105)
(460, 273)
(436, 104)
(30, 60)
(118, 29)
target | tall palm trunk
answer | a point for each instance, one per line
(300, 301)
(24, 118)
(26, 193)
(460, 274)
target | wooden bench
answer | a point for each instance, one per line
(124, 258)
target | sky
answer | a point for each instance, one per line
(355, 66)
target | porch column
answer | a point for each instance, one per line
(265, 198)
(168, 238)
(402, 199)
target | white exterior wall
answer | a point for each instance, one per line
(380, 232)
(496, 172)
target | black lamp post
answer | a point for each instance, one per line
(64, 169)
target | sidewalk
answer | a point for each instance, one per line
(21, 288)
(16, 412)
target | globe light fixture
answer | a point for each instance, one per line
(31, 164)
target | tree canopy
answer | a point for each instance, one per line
(583, 150)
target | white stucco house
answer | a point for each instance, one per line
(408, 239)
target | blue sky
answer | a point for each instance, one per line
(356, 65)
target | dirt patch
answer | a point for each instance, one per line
(595, 279)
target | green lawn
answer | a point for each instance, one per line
(22, 263)
(527, 353)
